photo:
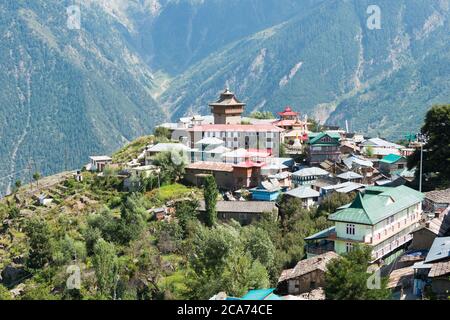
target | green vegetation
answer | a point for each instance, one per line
(111, 95)
(436, 155)
(172, 166)
(347, 278)
(210, 194)
(106, 268)
(125, 253)
(132, 150)
(262, 115)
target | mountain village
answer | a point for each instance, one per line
(257, 162)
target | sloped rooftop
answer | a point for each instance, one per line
(306, 266)
(376, 204)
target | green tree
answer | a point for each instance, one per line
(39, 238)
(314, 125)
(106, 267)
(5, 294)
(91, 236)
(37, 177)
(210, 194)
(436, 154)
(17, 185)
(262, 115)
(132, 219)
(172, 166)
(106, 223)
(218, 261)
(332, 202)
(186, 211)
(38, 291)
(258, 243)
(162, 134)
(242, 273)
(368, 151)
(347, 277)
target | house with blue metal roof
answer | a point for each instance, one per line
(266, 191)
(381, 217)
(255, 295)
(392, 164)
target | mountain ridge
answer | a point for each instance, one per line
(67, 94)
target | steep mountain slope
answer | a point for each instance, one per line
(66, 93)
(327, 63)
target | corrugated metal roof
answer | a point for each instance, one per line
(303, 192)
(378, 203)
(440, 249)
(313, 171)
(350, 175)
(322, 234)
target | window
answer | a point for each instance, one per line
(351, 229)
(348, 246)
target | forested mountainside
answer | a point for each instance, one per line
(326, 62)
(66, 94)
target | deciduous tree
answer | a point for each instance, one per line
(106, 267)
(347, 277)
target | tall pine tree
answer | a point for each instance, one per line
(210, 193)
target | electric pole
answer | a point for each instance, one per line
(421, 138)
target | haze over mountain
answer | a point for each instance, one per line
(66, 94)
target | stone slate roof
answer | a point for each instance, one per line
(242, 206)
(439, 196)
(439, 269)
(303, 267)
(377, 204)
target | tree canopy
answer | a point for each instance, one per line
(347, 278)
(436, 154)
(210, 193)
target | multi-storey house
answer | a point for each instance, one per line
(381, 217)
(323, 146)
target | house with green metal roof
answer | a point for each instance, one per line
(381, 217)
(323, 146)
(392, 164)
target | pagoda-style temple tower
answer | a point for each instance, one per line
(228, 109)
(290, 120)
